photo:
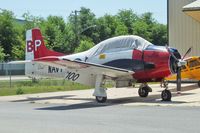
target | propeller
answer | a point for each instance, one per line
(179, 64)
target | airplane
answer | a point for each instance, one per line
(190, 73)
(122, 59)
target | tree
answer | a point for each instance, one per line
(148, 18)
(159, 34)
(84, 45)
(80, 21)
(9, 36)
(30, 22)
(2, 55)
(142, 29)
(79, 32)
(110, 26)
(127, 17)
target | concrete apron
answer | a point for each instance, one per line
(190, 96)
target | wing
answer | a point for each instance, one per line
(90, 67)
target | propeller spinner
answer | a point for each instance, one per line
(179, 64)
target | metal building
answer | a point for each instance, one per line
(184, 25)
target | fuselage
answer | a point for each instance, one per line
(151, 64)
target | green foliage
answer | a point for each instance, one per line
(44, 85)
(54, 28)
(128, 17)
(8, 33)
(78, 33)
(84, 45)
(159, 34)
(19, 91)
(2, 54)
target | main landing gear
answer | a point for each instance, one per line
(100, 99)
(100, 90)
(144, 90)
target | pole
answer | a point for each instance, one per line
(76, 26)
(10, 74)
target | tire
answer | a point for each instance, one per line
(166, 95)
(143, 91)
(101, 99)
(198, 83)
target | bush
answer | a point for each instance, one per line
(19, 91)
(84, 45)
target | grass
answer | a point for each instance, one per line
(45, 85)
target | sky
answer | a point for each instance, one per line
(44, 8)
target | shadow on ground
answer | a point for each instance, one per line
(91, 103)
(43, 98)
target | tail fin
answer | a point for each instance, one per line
(35, 47)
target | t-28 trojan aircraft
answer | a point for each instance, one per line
(121, 59)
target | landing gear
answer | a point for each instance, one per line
(100, 90)
(198, 83)
(144, 90)
(166, 95)
(101, 99)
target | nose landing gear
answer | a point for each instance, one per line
(166, 94)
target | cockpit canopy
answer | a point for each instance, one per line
(119, 43)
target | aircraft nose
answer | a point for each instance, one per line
(175, 52)
(173, 62)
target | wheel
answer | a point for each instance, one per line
(198, 83)
(101, 99)
(166, 95)
(143, 91)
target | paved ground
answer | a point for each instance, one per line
(126, 96)
(24, 117)
(77, 111)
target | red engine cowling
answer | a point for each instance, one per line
(156, 65)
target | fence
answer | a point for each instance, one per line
(14, 81)
(11, 69)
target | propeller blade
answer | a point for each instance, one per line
(188, 51)
(171, 53)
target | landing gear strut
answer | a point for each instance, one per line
(100, 90)
(144, 90)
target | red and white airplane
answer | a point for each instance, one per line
(121, 59)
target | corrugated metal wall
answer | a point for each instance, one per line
(184, 31)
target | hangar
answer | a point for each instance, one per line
(184, 25)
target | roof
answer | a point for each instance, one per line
(192, 6)
(193, 10)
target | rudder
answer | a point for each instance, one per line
(35, 47)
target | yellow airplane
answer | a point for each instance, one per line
(190, 71)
